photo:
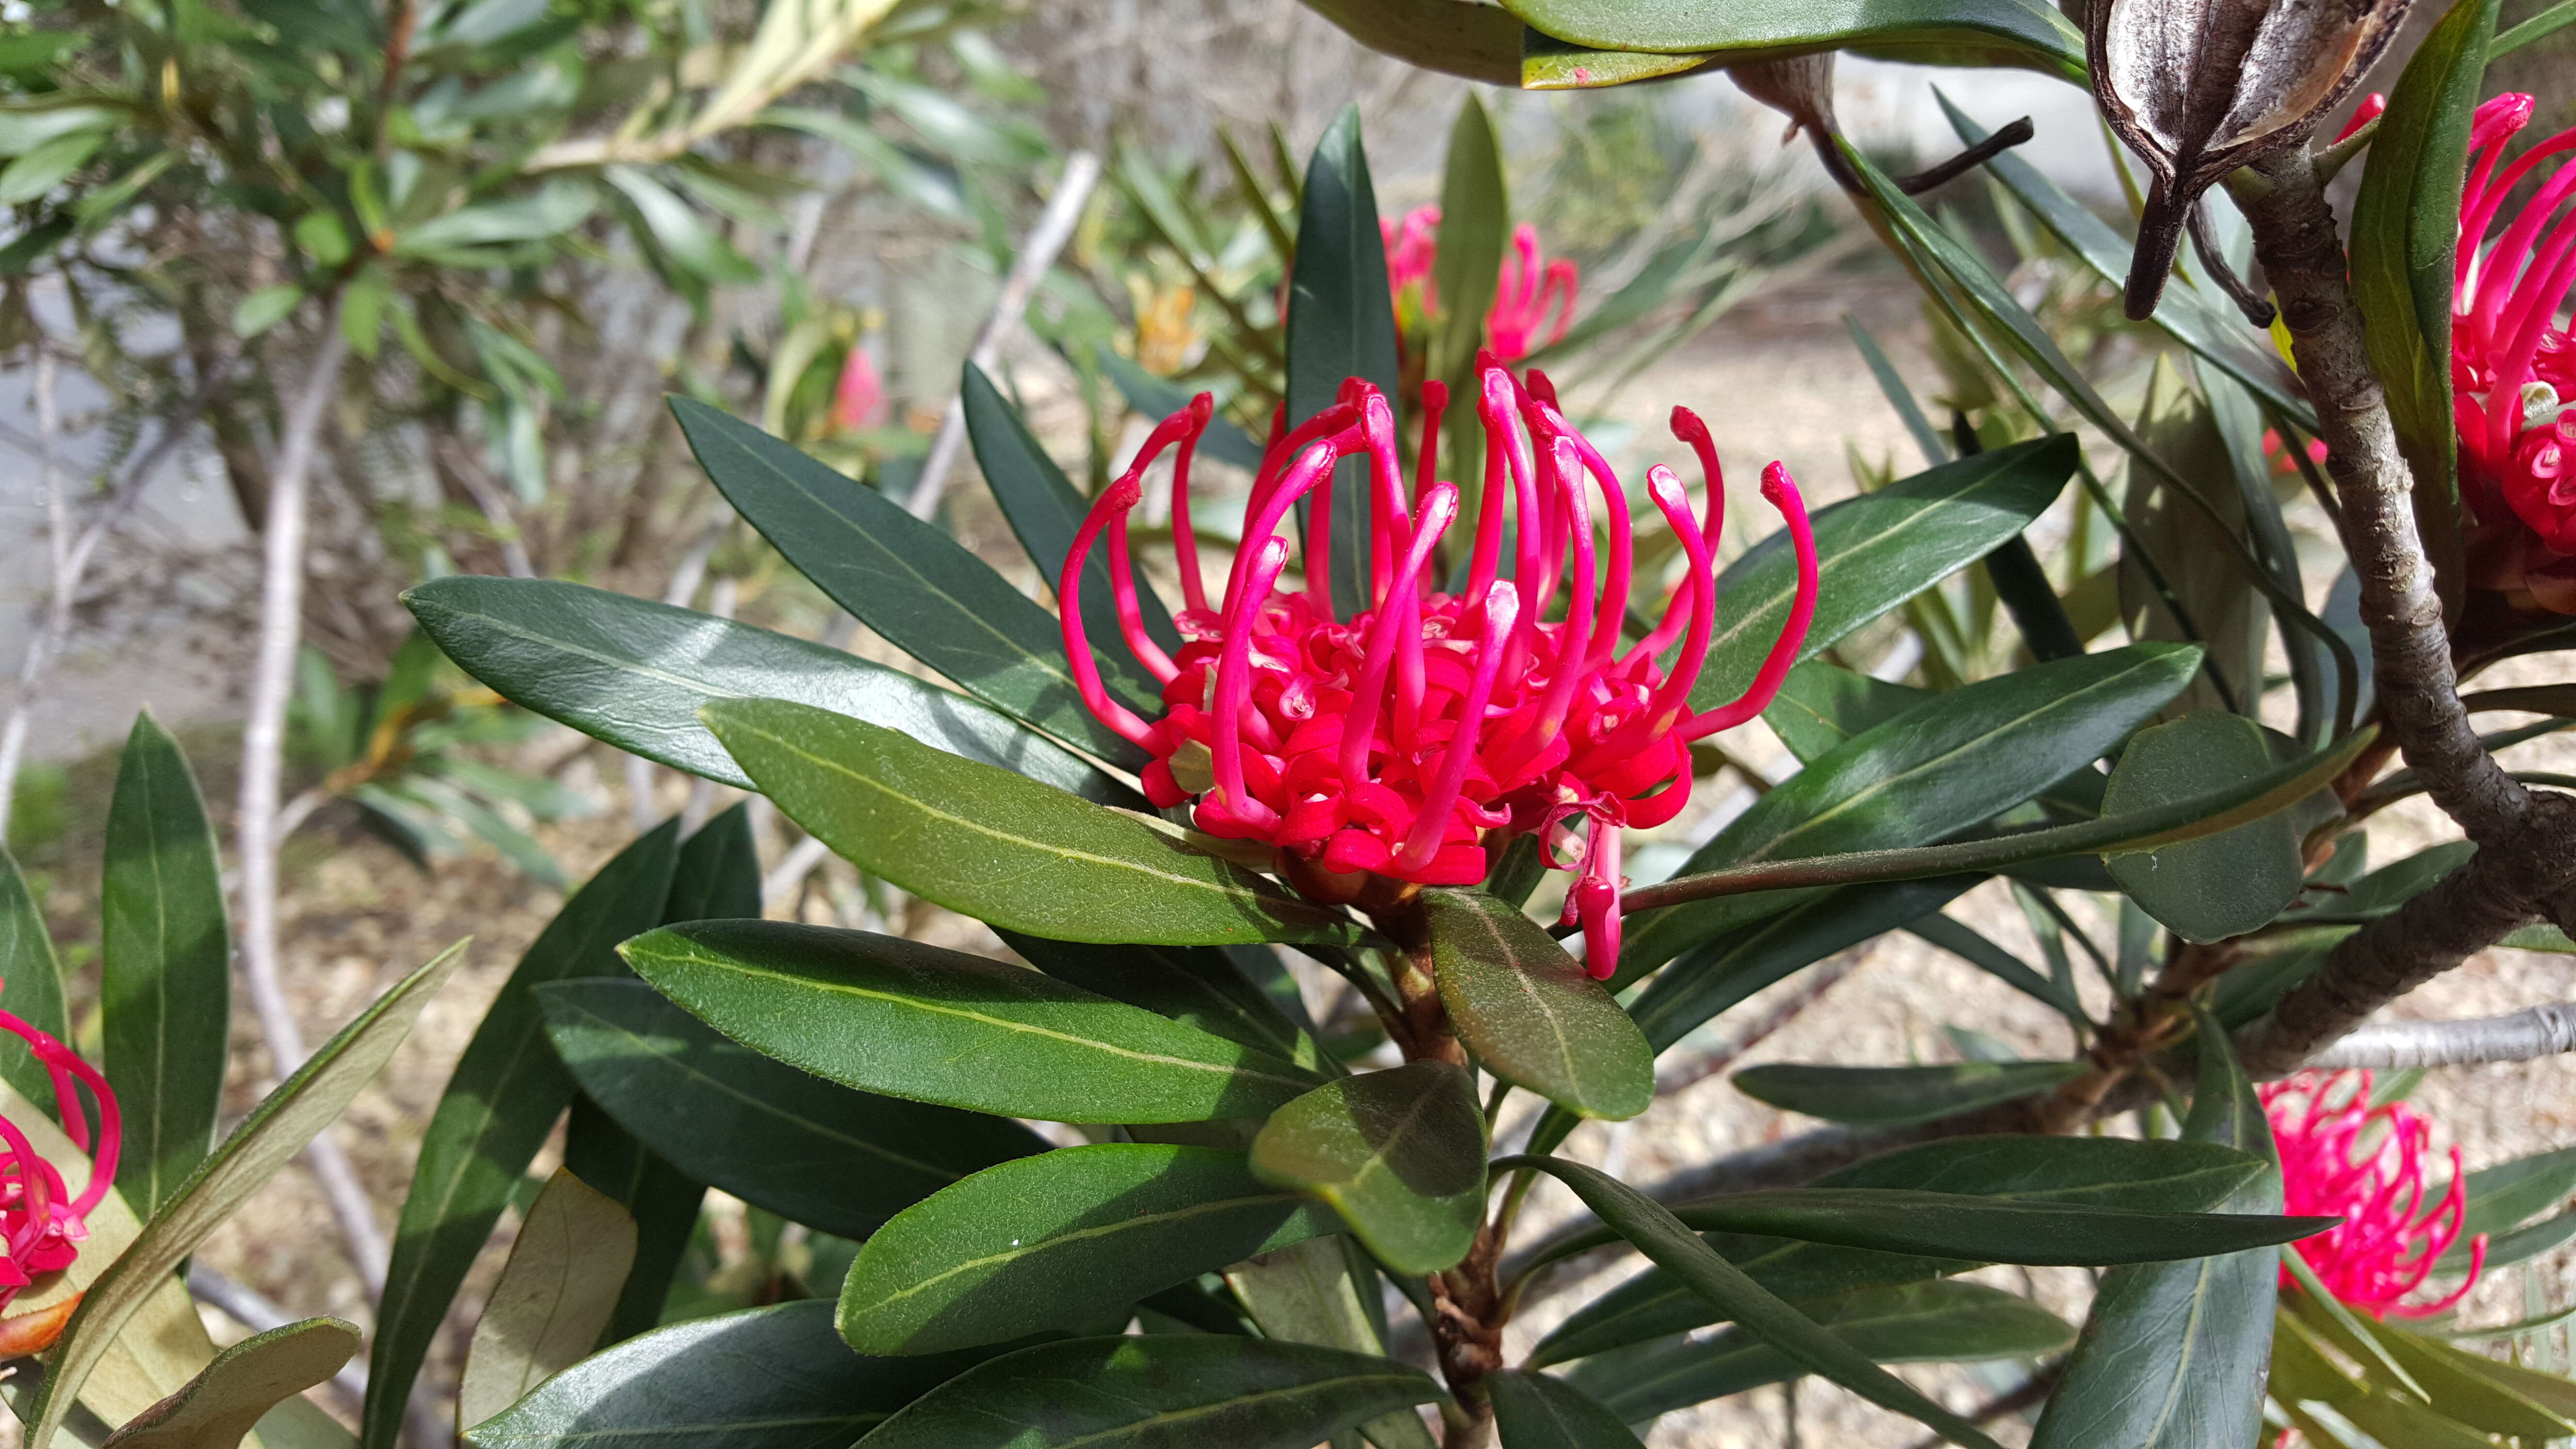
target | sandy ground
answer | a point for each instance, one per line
(1780, 382)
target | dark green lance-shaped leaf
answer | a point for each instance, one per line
(1950, 762)
(1717, 976)
(1530, 1013)
(1895, 1096)
(1341, 325)
(2405, 235)
(1936, 32)
(2169, 1177)
(2214, 330)
(1200, 986)
(635, 673)
(908, 581)
(1052, 1239)
(1475, 219)
(1045, 512)
(809, 1150)
(1400, 1153)
(1480, 42)
(1651, 1229)
(907, 1020)
(1541, 1411)
(2222, 885)
(31, 982)
(2173, 1354)
(276, 1130)
(769, 1378)
(2511, 1193)
(500, 1103)
(1006, 850)
(1161, 1391)
(1995, 961)
(1876, 551)
(1820, 705)
(165, 985)
(222, 1404)
(1936, 1322)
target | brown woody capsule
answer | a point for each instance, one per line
(2200, 87)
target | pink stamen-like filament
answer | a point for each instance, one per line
(1185, 542)
(1114, 501)
(1782, 493)
(1501, 613)
(1131, 617)
(1234, 685)
(1439, 510)
(1700, 585)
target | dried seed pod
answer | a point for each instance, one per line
(2200, 87)
(1801, 88)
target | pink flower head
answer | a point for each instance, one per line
(1526, 290)
(1392, 749)
(2342, 1157)
(2513, 364)
(42, 1225)
(1523, 294)
(859, 400)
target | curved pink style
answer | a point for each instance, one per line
(2513, 360)
(2342, 1157)
(1533, 294)
(1403, 744)
(42, 1224)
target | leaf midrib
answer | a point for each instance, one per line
(1540, 1004)
(1200, 1411)
(1082, 1235)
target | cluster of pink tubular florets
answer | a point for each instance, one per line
(42, 1225)
(1531, 294)
(2342, 1157)
(2513, 360)
(1403, 742)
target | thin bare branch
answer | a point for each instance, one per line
(2542, 1031)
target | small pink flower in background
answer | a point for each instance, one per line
(2513, 363)
(1529, 287)
(1393, 749)
(2342, 1157)
(42, 1224)
(2372, 107)
(2282, 462)
(859, 401)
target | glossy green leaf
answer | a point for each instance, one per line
(1541, 1411)
(1820, 705)
(1986, 956)
(907, 1020)
(2511, 1193)
(498, 1107)
(165, 986)
(635, 673)
(276, 1130)
(1896, 1096)
(2223, 885)
(1876, 551)
(31, 982)
(1530, 1013)
(245, 1382)
(1310, 1293)
(1939, 32)
(810, 1150)
(1198, 986)
(1716, 977)
(2405, 236)
(1479, 42)
(1475, 225)
(908, 581)
(1953, 760)
(1163, 1391)
(1051, 1239)
(2211, 327)
(1400, 1153)
(1003, 849)
(1808, 1346)
(2169, 1177)
(1936, 1322)
(1046, 512)
(1341, 324)
(768, 1378)
(2173, 1354)
(553, 1299)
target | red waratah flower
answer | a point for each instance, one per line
(1528, 290)
(42, 1224)
(2342, 1157)
(1392, 749)
(2513, 363)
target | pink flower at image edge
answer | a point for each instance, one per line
(42, 1224)
(2342, 1157)
(1529, 290)
(1395, 748)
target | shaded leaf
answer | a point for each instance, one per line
(1198, 986)
(1050, 1239)
(1539, 1411)
(224, 1402)
(553, 1299)
(909, 1020)
(2221, 885)
(1530, 1013)
(1894, 1096)
(1400, 1153)
(1936, 32)
(31, 982)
